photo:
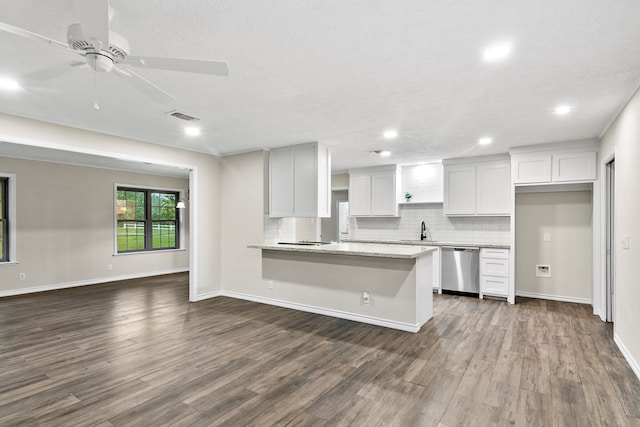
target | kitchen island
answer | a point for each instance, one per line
(380, 284)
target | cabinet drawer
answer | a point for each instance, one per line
(494, 267)
(494, 285)
(494, 253)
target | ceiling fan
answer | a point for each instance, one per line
(104, 51)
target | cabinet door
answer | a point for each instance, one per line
(574, 167)
(498, 286)
(459, 190)
(359, 195)
(494, 267)
(305, 167)
(383, 194)
(494, 189)
(281, 183)
(531, 168)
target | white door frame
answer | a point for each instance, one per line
(599, 239)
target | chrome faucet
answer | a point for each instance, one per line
(424, 233)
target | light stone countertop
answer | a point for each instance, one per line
(379, 250)
(430, 243)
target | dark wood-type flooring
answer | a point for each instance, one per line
(137, 353)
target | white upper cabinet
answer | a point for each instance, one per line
(359, 195)
(493, 188)
(299, 181)
(574, 167)
(374, 191)
(476, 187)
(460, 189)
(531, 168)
(554, 163)
(423, 182)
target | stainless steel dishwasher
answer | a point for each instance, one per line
(460, 269)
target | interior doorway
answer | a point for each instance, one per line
(331, 230)
(610, 273)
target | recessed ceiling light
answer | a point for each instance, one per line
(382, 153)
(485, 140)
(192, 131)
(8, 84)
(496, 52)
(390, 133)
(562, 110)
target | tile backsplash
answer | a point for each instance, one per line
(441, 228)
(279, 230)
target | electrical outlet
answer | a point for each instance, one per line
(546, 237)
(109, 267)
(23, 276)
(366, 298)
(270, 284)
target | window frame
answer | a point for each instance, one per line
(148, 221)
(9, 223)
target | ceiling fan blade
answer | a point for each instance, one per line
(217, 68)
(94, 20)
(144, 85)
(33, 36)
(55, 71)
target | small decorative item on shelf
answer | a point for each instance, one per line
(408, 197)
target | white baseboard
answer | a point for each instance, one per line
(98, 281)
(207, 295)
(326, 312)
(554, 297)
(635, 367)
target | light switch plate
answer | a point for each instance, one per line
(546, 237)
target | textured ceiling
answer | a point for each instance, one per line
(341, 72)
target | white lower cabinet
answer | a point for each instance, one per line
(436, 271)
(494, 272)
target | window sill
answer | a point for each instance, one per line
(159, 251)
(6, 263)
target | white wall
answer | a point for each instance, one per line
(340, 181)
(624, 136)
(65, 226)
(566, 217)
(204, 206)
(243, 192)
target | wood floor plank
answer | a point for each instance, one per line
(138, 353)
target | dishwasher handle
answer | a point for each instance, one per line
(458, 248)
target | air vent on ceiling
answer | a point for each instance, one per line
(179, 115)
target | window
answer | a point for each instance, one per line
(4, 219)
(147, 220)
